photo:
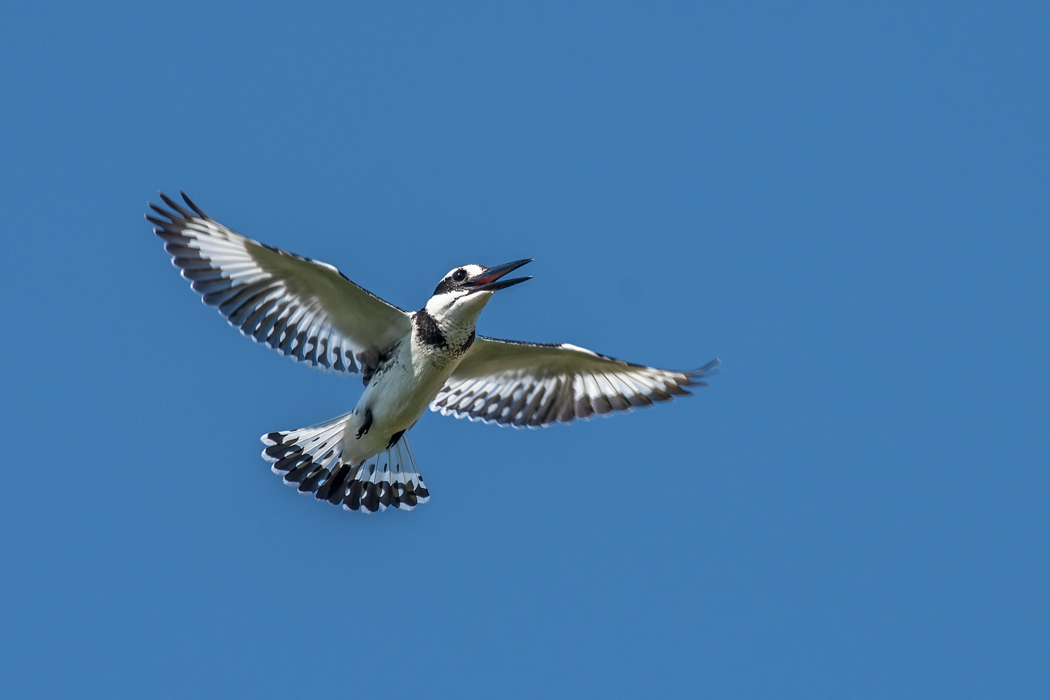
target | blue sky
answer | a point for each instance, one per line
(848, 205)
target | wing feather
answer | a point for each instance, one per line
(531, 384)
(302, 308)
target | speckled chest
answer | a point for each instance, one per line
(441, 344)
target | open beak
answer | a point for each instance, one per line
(489, 280)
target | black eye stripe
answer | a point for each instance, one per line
(453, 281)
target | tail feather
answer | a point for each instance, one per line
(310, 459)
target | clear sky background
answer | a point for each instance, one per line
(850, 206)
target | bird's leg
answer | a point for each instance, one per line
(367, 424)
(394, 438)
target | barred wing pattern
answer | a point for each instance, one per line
(533, 385)
(304, 309)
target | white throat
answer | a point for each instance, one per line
(457, 308)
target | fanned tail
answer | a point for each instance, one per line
(310, 459)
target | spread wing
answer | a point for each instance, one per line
(530, 384)
(304, 309)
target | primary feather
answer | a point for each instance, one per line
(304, 309)
(533, 384)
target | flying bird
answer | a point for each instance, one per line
(311, 312)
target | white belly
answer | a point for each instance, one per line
(396, 399)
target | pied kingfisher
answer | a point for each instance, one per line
(311, 312)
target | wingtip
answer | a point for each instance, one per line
(193, 206)
(178, 208)
(697, 376)
(167, 200)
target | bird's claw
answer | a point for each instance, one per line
(367, 424)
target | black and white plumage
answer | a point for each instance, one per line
(304, 309)
(311, 312)
(310, 460)
(535, 384)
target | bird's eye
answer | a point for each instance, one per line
(459, 275)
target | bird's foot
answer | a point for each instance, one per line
(394, 438)
(367, 424)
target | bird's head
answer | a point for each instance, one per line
(465, 290)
